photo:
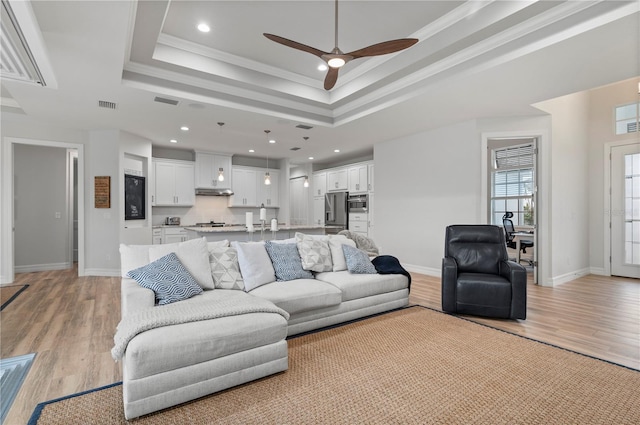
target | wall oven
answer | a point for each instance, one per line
(358, 203)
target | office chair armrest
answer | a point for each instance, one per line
(449, 279)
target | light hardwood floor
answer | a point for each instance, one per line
(70, 321)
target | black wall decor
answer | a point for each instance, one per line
(134, 197)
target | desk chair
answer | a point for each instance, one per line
(509, 230)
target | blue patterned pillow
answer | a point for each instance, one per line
(358, 261)
(286, 261)
(167, 278)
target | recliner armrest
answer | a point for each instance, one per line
(449, 279)
(517, 275)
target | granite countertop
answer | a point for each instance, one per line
(256, 227)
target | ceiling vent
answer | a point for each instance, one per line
(165, 100)
(18, 61)
(304, 127)
(106, 104)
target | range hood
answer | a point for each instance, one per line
(214, 192)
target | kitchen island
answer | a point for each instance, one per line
(239, 232)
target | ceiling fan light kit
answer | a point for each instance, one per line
(337, 59)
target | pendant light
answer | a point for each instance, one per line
(220, 170)
(306, 181)
(267, 177)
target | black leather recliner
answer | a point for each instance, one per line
(477, 276)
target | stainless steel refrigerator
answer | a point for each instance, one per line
(335, 212)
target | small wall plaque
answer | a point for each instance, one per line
(102, 191)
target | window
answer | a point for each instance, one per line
(627, 118)
(512, 184)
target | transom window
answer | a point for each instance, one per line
(512, 184)
(627, 118)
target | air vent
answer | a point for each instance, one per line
(304, 127)
(106, 104)
(295, 149)
(165, 100)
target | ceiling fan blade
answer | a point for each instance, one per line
(384, 48)
(331, 78)
(294, 44)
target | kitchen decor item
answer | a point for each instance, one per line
(172, 221)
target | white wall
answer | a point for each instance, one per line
(424, 183)
(569, 179)
(40, 208)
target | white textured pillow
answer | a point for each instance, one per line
(314, 252)
(337, 255)
(255, 264)
(225, 269)
(218, 244)
(133, 257)
(193, 254)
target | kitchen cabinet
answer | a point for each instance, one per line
(358, 178)
(337, 180)
(370, 177)
(174, 183)
(319, 184)
(358, 223)
(207, 170)
(156, 236)
(268, 195)
(244, 187)
(318, 210)
(174, 234)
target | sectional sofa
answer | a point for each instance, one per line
(249, 298)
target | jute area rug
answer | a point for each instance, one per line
(413, 366)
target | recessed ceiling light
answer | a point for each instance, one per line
(272, 141)
(336, 150)
(204, 27)
(310, 157)
(322, 67)
(173, 141)
(184, 128)
(251, 150)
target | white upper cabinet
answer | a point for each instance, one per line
(208, 167)
(318, 210)
(337, 180)
(370, 178)
(174, 183)
(358, 178)
(244, 188)
(268, 195)
(319, 184)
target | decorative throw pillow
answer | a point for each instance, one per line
(167, 278)
(358, 261)
(286, 261)
(218, 244)
(225, 269)
(255, 264)
(337, 255)
(193, 254)
(314, 252)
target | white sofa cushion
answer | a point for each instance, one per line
(337, 255)
(299, 295)
(133, 257)
(193, 254)
(255, 264)
(355, 286)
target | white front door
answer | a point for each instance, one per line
(625, 210)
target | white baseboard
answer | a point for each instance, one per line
(102, 272)
(598, 271)
(568, 277)
(429, 271)
(41, 267)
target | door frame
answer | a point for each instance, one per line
(7, 243)
(607, 199)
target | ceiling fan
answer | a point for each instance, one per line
(336, 58)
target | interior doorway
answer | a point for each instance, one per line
(73, 195)
(511, 170)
